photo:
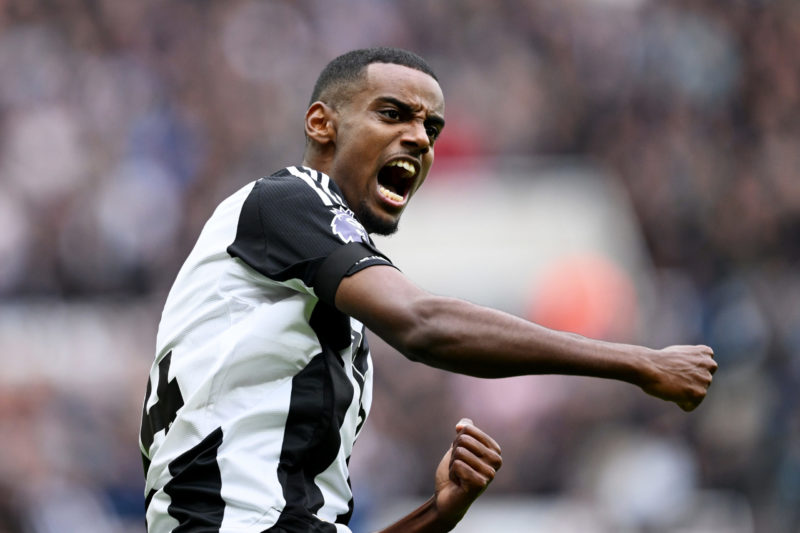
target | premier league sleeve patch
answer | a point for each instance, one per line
(345, 226)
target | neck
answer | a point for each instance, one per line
(317, 161)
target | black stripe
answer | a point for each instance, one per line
(194, 489)
(146, 430)
(321, 395)
(361, 360)
(332, 329)
(293, 524)
(149, 498)
(351, 503)
(360, 363)
(145, 464)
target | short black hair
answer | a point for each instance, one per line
(350, 67)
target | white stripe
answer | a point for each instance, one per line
(311, 183)
(325, 182)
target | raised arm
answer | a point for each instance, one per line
(455, 335)
(464, 472)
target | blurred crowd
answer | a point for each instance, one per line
(122, 124)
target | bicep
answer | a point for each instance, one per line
(383, 299)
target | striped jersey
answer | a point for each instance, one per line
(260, 386)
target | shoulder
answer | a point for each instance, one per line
(301, 195)
(301, 183)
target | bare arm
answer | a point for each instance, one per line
(462, 475)
(455, 335)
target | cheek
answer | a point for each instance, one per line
(357, 150)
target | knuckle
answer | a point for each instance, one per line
(462, 439)
(496, 461)
(458, 453)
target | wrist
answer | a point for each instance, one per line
(424, 519)
(641, 370)
(442, 520)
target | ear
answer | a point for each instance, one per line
(321, 123)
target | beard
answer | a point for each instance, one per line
(373, 223)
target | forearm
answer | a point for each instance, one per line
(424, 519)
(458, 336)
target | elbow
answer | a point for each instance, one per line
(427, 339)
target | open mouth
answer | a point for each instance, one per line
(395, 180)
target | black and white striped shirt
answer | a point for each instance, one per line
(260, 386)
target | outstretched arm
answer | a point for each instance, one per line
(470, 339)
(462, 475)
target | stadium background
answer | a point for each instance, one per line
(628, 169)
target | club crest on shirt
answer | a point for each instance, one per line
(346, 227)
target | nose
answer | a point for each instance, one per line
(416, 136)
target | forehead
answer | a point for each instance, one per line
(403, 83)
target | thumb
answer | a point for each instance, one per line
(464, 422)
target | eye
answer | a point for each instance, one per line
(433, 132)
(393, 114)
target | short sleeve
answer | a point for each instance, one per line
(295, 225)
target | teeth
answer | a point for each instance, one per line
(390, 194)
(405, 165)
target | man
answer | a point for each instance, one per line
(262, 379)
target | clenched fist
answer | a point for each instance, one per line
(465, 471)
(680, 374)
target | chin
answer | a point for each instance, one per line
(375, 224)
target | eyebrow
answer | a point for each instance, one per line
(433, 119)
